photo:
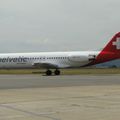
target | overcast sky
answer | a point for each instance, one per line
(57, 25)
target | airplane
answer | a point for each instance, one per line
(61, 60)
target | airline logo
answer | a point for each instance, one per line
(117, 43)
(13, 60)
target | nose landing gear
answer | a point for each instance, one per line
(56, 72)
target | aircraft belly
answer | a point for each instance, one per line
(72, 64)
(14, 65)
(79, 64)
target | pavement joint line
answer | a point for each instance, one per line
(29, 112)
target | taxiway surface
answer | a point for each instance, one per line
(38, 81)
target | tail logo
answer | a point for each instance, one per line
(117, 43)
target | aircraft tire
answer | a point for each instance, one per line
(48, 72)
(57, 72)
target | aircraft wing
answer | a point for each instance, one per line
(45, 65)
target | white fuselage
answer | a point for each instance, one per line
(61, 59)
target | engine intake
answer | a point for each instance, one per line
(92, 57)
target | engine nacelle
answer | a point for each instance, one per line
(82, 58)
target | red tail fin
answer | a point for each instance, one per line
(111, 50)
(114, 44)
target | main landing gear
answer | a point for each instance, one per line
(56, 72)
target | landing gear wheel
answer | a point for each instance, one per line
(57, 72)
(48, 72)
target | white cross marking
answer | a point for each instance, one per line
(117, 43)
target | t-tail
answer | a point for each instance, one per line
(110, 52)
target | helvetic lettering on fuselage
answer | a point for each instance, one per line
(62, 60)
(17, 60)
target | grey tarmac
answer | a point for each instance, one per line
(38, 81)
(81, 97)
